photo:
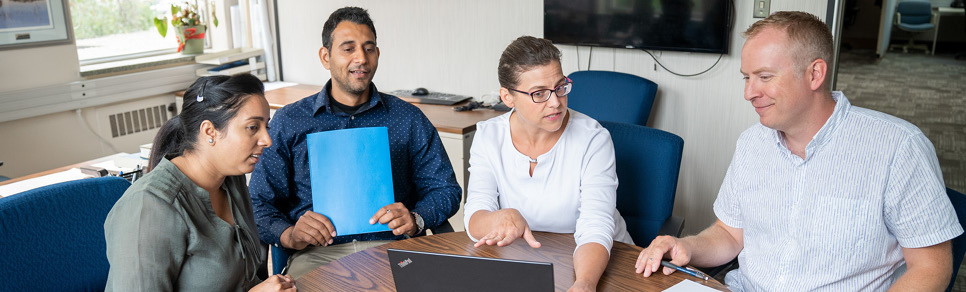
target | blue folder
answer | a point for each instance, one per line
(351, 177)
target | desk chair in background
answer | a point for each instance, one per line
(959, 243)
(612, 96)
(53, 236)
(915, 16)
(648, 162)
(278, 257)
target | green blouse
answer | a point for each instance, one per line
(163, 235)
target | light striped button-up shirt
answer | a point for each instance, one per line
(835, 221)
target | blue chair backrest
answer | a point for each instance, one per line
(648, 162)
(915, 11)
(53, 236)
(959, 243)
(612, 96)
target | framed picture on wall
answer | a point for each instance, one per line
(28, 23)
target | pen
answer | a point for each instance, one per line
(688, 271)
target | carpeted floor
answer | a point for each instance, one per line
(928, 91)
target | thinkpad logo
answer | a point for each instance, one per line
(405, 263)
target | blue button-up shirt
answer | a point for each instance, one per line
(423, 178)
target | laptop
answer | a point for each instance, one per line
(430, 98)
(428, 271)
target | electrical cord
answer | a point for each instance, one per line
(88, 127)
(683, 75)
(731, 21)
(470, 106)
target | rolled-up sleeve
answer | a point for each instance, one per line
(439, 193)
(598, 193)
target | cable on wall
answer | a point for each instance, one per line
(577, 48)
(88, 127)
(731, 25)
(683, 75)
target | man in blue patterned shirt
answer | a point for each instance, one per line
(424, 184)
(820, 195)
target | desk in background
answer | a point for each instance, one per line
(456, 130)
(369, 270)
(56, 175)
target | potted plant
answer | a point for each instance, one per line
(189, 27)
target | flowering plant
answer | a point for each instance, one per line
(185, 15)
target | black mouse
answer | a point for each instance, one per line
(420, 91)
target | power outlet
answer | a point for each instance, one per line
(762, 8)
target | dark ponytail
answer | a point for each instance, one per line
(213, 98)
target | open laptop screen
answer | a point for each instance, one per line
(427, 271)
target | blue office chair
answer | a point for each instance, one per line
(53, 236)
(959, 243)
(648, 161)
(612, 96)
(279, 256)
(914, 16)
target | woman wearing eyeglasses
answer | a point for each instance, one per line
(542, 167)
(188, 224)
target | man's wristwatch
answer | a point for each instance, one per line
(420, 224)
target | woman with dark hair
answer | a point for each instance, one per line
(542, 167)
(187, 224)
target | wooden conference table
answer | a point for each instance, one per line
(368, 270)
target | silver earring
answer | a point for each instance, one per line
(211, 141)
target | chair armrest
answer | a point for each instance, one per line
(721, 270)
(442, 228)
(672, 226)
(278, 259)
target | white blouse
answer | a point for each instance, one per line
(573, 188)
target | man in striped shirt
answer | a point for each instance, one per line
(820, 195)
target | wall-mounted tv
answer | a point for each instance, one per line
(671, 25)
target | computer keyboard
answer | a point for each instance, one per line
(431, 98)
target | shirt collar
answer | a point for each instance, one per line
(322, 100)
(838, 116)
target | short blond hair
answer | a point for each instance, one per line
(810, 39)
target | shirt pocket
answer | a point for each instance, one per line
(838, 230)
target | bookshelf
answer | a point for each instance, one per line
(233, 61)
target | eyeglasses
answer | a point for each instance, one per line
(543, 95)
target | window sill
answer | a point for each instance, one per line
(135, 65)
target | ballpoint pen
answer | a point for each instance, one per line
(688, 271)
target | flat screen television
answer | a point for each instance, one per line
(672, 25)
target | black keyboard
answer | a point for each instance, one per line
(431, 98)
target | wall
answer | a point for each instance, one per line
(454, 46)
(44, 142)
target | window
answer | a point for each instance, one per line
(108, 30)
